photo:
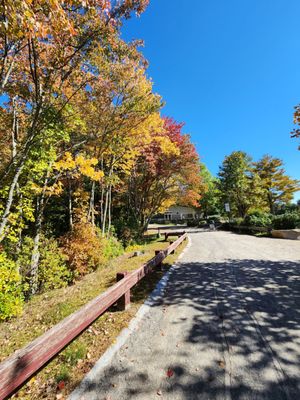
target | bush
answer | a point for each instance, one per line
(127, 236)
(202, 223)
(192, 222)
(11, 298)
(126, 230)
(238, 221)
(83, 248)
(216, 218)
(286, 221)
(112, 247)
(258, 218)
(53, 270)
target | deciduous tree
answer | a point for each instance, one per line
(278, 188)
(239, 184)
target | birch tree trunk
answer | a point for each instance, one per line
(105, 212)
(91, 212)
(35, 257)
(109, 209)
(70, 202)
(10, 198)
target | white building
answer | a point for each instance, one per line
(178, 213)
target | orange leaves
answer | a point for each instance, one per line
(83, 248)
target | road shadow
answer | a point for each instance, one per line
(246, 310)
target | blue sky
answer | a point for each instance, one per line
(229, 70)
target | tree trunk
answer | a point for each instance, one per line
(101, 197)
(35, 257)
(91, 212)
(105, 212)
(271, 204)
(4, 219)
(70, 203)
(109, 210)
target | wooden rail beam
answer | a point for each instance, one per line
(177, 233)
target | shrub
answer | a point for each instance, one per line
(11, 298)
(258, 218)
(84, 249)
(112, 247)
(216, 218)
(192, 222)
(286, 221)
(53, 270)
(127, 236)
(202, 223)
(238, 221)
(126, 230)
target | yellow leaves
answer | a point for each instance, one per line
(36, 188)
(67, 163)
(167, 146)
(55, 190)
(80, 166)
(167, 204)
(86, 168)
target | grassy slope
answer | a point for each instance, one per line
(43, 311)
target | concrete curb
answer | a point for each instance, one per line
(106, 358)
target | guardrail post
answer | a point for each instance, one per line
(124, 301)
(159, 266)
(172, 252)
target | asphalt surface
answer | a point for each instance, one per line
(227, 327)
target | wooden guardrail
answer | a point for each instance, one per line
(170, 233)
(23, 364)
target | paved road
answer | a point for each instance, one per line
(228, 327)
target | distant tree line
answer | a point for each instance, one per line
(248, 186)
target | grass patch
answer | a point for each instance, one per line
(65, 372)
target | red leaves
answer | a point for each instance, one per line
(61, 385)
(170, 373)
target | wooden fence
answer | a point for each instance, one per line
(23, 364)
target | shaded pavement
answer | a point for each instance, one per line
(227, 327)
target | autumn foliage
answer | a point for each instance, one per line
(83, 145)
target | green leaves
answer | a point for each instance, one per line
(11, 297)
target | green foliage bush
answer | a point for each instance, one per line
(258, 218)
(11, 298)
(202, 223)
(53, 272)
(112, 247)
(238, 221)
(289, 220)
(126, 230)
